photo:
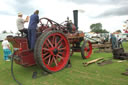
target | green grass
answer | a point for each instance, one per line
(77, 75)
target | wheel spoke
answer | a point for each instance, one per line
(55, 61)
(49, 60)
(55, 41)
(85, 53)
(49, 56)
(62, 48)
(59, 41)
(47, 45)
(50, 42)
(60, 56)
(60, 45)
(45, 49)
(46, 53)
(85, 49)
(60, 53)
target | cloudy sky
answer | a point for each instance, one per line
(111, 13)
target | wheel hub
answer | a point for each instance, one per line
(55, 51)
(88, 49)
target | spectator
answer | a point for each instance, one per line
(20, 24)
(114, 41)
(6, 49)
(34, 20)
(119, 41)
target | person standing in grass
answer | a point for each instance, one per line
(6, 49)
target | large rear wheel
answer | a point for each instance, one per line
(53, 51)
(36, 48)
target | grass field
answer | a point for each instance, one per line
(77, 75)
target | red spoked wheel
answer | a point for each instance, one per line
(86, 49)
(46, 22)
(53, 51)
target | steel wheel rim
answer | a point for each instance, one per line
(88, 49)
(48, 21)
(55, 52)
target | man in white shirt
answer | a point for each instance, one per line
(20, 24)
(6, 49)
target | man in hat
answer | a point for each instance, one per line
(20, 24)
(34, 20)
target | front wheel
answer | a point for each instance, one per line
(86, 49)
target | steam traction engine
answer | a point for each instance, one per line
(54, 45)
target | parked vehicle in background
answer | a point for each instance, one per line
(95, 38)
(122, 36)
(125, 37)
(4, 35)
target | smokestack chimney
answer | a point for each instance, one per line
(75, 14)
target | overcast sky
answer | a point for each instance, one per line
(111, 13)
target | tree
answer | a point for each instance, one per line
(104, 31)
(4, 31)
(118, 31)
(97, 28)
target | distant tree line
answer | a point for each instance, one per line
(118, 31)
(4, 31)
(97, 28)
